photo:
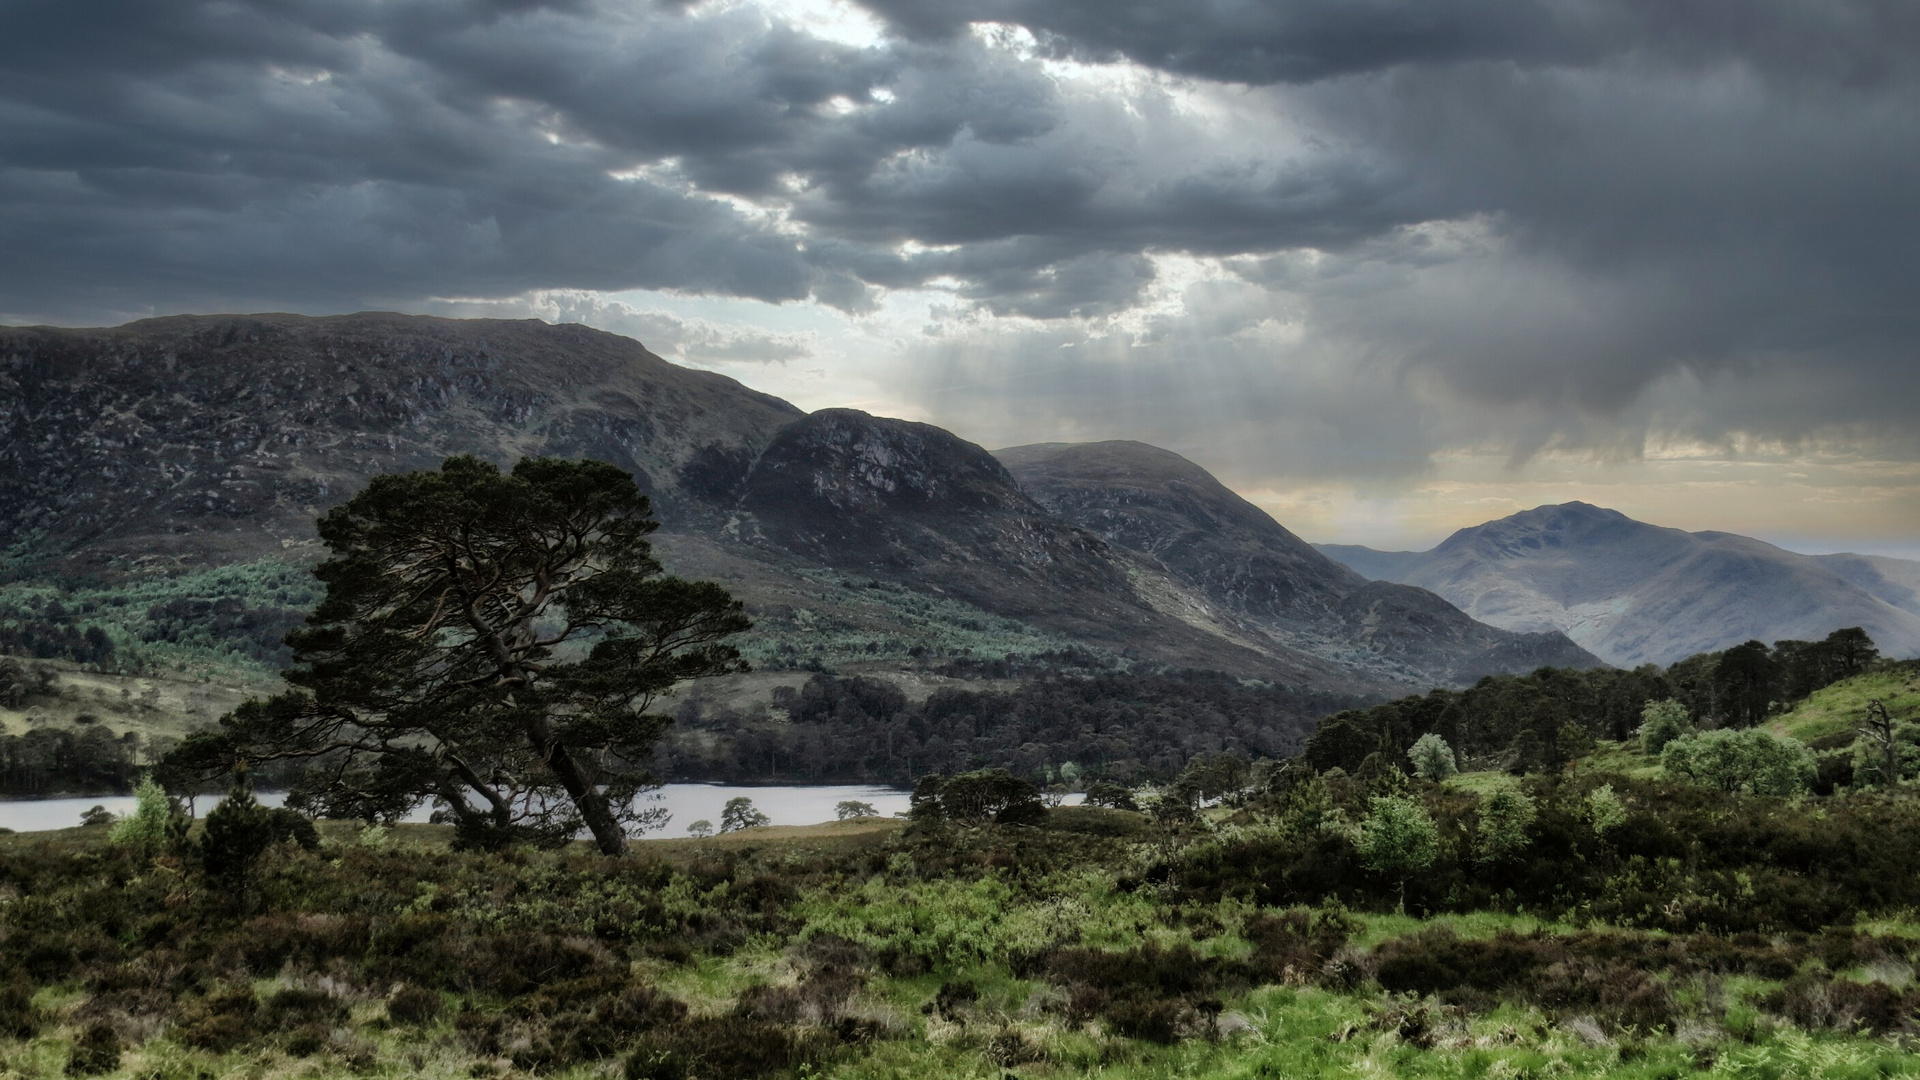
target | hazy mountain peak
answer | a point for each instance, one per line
(1634, 592)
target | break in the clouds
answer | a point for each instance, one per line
(1312, 243)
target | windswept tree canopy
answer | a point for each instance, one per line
(490, 641)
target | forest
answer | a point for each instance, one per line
(1136, 727)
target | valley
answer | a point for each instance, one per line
(165, 475)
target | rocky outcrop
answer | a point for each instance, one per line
(914, 503)
(193, 439)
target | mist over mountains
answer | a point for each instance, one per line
(1634, 593)
(858, 542)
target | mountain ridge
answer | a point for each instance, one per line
(1632, 592)
(190, 441)
(1264, 580)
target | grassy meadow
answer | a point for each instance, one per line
(1099, 943)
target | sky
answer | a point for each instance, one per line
(1386, 267)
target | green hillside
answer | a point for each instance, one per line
(1841, 707)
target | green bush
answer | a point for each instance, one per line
(1505, 816)
(1753, 761)
(1661, 722)
(155, 819)
(1398, 839)
(1605, 811)
(1432, 758)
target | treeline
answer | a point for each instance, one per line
(1538, 722)
(227, 623)
(1127, 727)
(52, 634)
(50, 761)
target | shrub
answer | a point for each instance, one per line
(1661, 722)
(1816, 1000)
(1592, 974)
(219, 1023)
(1505, 817)
(96, 1052)
(413, 1005)
(155, 819)
(589, 1019)
(1108, 794)
(1753, 761)
(1432, 758)
(728, 1046)
(238, 832)
(1604, 810)
(1398, 839)
(1150, 993)
(297, 1007)
(19, 1019)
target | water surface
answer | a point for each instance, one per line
(687, 803)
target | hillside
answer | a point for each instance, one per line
(140, 456)
(1842, 707)
(1260, 578)
(1634, 593)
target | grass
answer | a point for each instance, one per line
(1477, 925)
(1482, 783)
(1622, 759)
(978, 927)
(1842, 706)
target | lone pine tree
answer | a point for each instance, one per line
(493, 641)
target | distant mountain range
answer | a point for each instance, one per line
(1633, 593)
(857, 542)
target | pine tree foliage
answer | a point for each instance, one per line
(492, 641)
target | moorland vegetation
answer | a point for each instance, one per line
(1639, 873)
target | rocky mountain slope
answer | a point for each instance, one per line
(1634, 593)
(189, 439)
(1258, 578)
(188, 442)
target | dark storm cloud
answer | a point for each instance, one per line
(1301, 41)
(1545, 206)
(312, 154)
(1651, 191)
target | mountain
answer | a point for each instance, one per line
(189, 440)
(1260, 580)
(138, 453)
(1634, 593)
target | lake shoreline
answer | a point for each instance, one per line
(685, 803)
